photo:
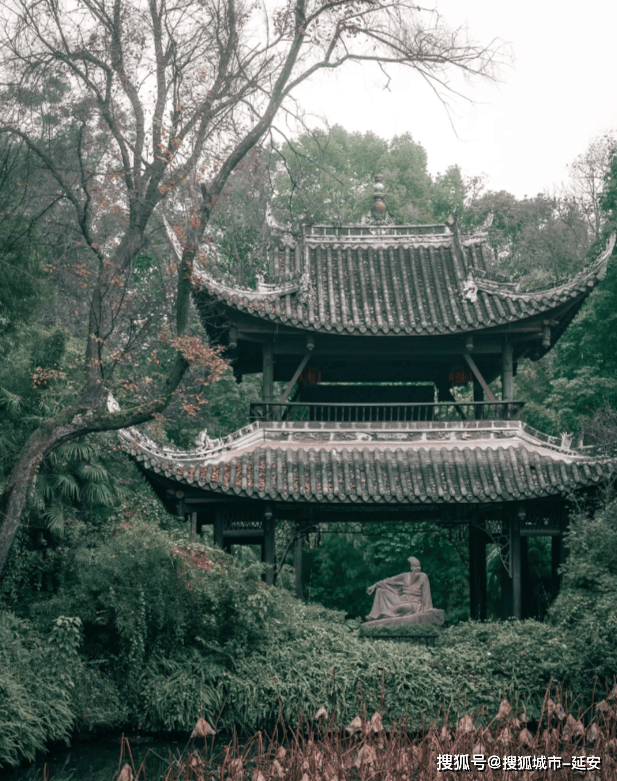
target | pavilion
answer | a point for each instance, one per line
(370, 327)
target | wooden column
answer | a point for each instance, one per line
(194, 525)
(482, 585)
(478, 395)
(507, 372)
(473, 573)
(526, 607)
(515, 553)
(268, 373)
(477, 574)
(268, 550)
(506, 593)
(219, 525)
(298, 566)
(557, 559)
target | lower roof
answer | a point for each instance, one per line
(470, 462)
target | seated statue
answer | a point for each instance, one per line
(404, 599)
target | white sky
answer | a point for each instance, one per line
(559, 93)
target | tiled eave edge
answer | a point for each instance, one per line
(583, 476)
(266, 305)
(192, 467)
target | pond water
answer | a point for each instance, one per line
(98, 760)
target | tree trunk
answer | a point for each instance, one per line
(13, 501)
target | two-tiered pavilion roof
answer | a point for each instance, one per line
(368, 326)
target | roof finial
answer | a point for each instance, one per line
(379, 207)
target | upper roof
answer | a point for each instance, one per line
(469, 462)
(407, 280)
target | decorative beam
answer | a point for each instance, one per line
(476, 373)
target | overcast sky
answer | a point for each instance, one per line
(557, 95)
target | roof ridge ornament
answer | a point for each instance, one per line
(379, 210)
(378, 215)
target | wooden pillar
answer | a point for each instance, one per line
(526, 606)
(515, 553)
(268, 550)
(506, 592)
(557, 559)
(482, 584)
(473, 573)
(298, 565)
(507, 372)
(268, 376)
(478, 395)
(194, 525)
(478, 595)
(219, 525)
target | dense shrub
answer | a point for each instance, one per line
(35, 703)
(145, 594)
(312, 658)
(586, 607)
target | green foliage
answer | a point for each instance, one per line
(586, 607)
(513, 659)
(327, 177)
(35, 707)
(64, 641)
(541, 239)
(142, 593)
(311, 658)
(21, 249)
(567, 388)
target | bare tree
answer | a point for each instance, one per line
(587, 181)
(156, 96)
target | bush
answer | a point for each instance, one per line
(35, 705)
(586, 608)
(312, 658)
(144, 594)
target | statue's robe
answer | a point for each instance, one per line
(405, 599)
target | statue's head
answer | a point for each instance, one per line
(414, 563)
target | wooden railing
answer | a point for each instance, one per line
(392, 412)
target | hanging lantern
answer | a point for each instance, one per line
(310, 376)
(460, 375)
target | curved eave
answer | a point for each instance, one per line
(506, 462)
(447, 310)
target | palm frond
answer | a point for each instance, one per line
(99, 493)
(66, 485)
(10, 401)
(77, 450)
(7, 443)
(40, 491)
(92, 473)
(55, 518)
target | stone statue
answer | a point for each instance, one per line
(404, 599)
